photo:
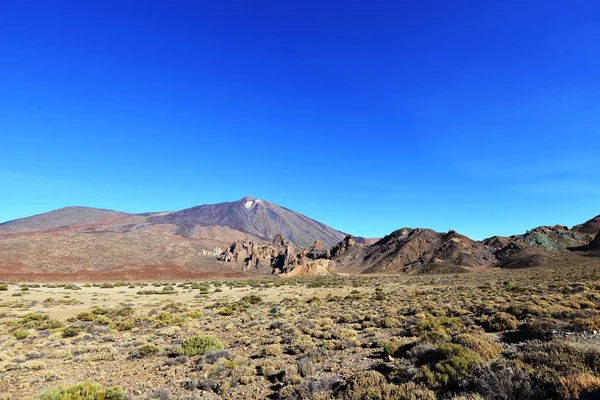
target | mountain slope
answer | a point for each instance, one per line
(69, 217)
(591, 227)
(257, 218)
(413, 249)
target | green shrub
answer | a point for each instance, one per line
(499, 322)
(38, 321)
(252, 299)
(20, 334)
(85, 316)
(454, 363)
(3, 288)
(485, 348)
(372, 385)
(83, 391)
(200, 344)
(70, 331)
(126, 325)
(272, 350)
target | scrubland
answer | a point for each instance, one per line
(489, 334)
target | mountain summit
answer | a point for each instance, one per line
(254, 217)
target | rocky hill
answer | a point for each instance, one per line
(410, 250)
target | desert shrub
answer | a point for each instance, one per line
(485, 348)
(38, 321)
(177, 360)
(122, 326)
(165, 317)
(543, 328)
(85, 316)
(229, 309)
(436, 329)
(3, 288)
(499, 322)
(160, 394)
(447, 365)
(586, 324)
(301, 345)
(83, 391)
(114, 312)
(143, 351)
(572, 386)
(71, 286)
(522, 311)
(20, 334)
(560, 356)
(271, 350)
(355, 295)
(318, 389)
(175, 307)
(502, 382)
(252, 299)
(371, 385)
(200, 344)
(70, 331)
(305, 367)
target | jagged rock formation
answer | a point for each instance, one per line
(343, 246)
(277, 257)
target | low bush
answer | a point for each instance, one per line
(83, 391)
(200, 344)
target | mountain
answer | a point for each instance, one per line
(94, 241)
(259, 238)
(70, 218)
(256, 218)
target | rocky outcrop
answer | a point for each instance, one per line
(281, 257)
(343, 246)
(591, 227)
(593, 246)
(275, 257)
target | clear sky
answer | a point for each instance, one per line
(480, 116)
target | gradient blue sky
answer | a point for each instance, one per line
(481, 116)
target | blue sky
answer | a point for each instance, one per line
(478, 116)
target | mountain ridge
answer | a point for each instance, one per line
(241, 235)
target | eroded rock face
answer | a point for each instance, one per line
(276, 257)
(281, 257)
(343, 246)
